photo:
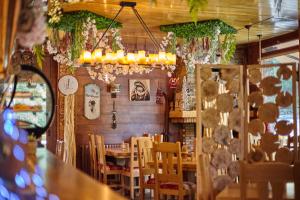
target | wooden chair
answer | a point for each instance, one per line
(168, 171)
(277, 174)
(93, 157)
(105, 169)
(132, 171)
(145, 145)
(206, 185)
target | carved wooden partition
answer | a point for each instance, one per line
(219, 122)
(271, 113)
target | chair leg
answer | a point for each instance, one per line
(132, 188)
(142, 193)
(123, 184)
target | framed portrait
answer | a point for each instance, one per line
(139, 90)
(91, 101)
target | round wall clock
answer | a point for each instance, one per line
(68, 84)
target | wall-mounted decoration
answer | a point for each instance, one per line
(114, 117)
(139, 90)
(91, 101)
(113, 88)
(68, 84)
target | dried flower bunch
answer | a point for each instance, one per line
(55, 11)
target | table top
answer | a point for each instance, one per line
(232, 192)
(118, 153)
(69, 183)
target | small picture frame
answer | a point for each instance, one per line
(91, 101)
(139, 90)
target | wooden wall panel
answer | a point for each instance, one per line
(133, 118)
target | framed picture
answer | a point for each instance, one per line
(91, 101)
(139, 90)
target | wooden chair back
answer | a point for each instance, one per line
(101, 160)
(168, 169)
(145, 145)
(206, 185)
(134, 153)
(93, 158)
(274, 173)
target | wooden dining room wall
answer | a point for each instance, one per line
(133, 118)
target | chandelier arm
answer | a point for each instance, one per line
(151, 36)
(111, 23)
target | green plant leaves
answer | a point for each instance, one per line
(69, 20)
(39, 53)
(197, 30)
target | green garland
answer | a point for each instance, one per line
(197, 30)
(228, 48)
(69, 21)
(39, 53)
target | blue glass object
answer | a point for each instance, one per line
(37, 180)
(18, 153)
(4, 192)
(23, 136)
(14, 196)
(8, 114)
(15, 133)
(41, 191)
(8, 127)
(53, 197)
(25, 175)
(20, 182)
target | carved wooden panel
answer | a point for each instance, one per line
(271, 121)
(220, 121)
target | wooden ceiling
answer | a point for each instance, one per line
(236, 13)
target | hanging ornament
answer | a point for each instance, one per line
(159, 95)
(173, 82)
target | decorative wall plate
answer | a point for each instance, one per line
(284, 155)
(68, 84)
(283, 127)
(255, 99)
(224, 102)
(233, 86)
(210, 118)
(284, 72)
(209, 90)
(222, 134)
(269, 143)
(256, 126)
(205, 73)
(91, 101)
(270, 85)
(284, 99)
(229, 74)
(268, 112)
(255, 76)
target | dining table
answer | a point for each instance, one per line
(232, 192)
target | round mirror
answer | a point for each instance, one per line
(33, 101)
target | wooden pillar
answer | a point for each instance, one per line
(50, 69)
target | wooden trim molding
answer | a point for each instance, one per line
(280, 52)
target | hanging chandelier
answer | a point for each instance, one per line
(112, 63)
